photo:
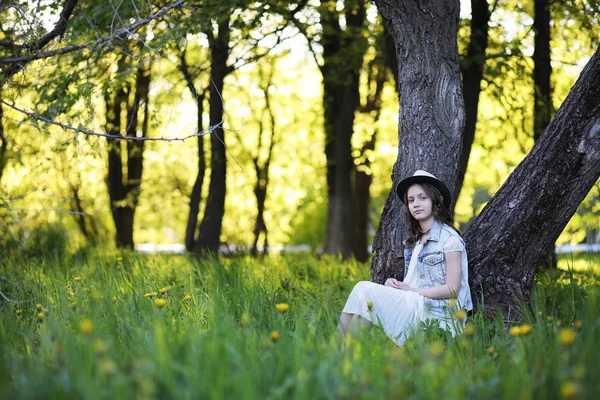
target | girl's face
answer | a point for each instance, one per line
(419, 203)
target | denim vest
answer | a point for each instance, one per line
(431, 270)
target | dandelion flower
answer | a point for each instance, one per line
(41, 316)
(39, 307)
(569, 390)
(370, 305)
(452, 303)
(469, 330)
(577, 324)
(491, 350)
(436, 349)
(160, 303)
(119, 259)
(19, 312)
(460, 315)
(108, 366)
(549, 318)
(151, 294)
(114, 299)
(274, 336)
(526, 329)
(245, 320)
(163, 290)
(86, 326)
(187, 298)
(77, 278)
(99, 347)
(566, 337)
(515, 331)
(282, 307)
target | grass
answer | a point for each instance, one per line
(85, 329)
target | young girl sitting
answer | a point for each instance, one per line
(435, 282)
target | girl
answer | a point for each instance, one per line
(436, 270)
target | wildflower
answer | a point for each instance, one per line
(108, 366)
(566, 337)
(151, 294)
(86, 326)
(370, 305)
(491, 350)
(77, 278)
(282, 307)
(540, 313)
(163, 290)
(274, 336)
(577, 324)
(469, 330)
(114, 299)
(460, 315)
(41, 316)
(515, 331)
(45, 311)
(19, 312)
(569, 390)
(436, 349)
(549, 318)
(119, 259)
(452, 303)
(39, 307)
(99, 347)
(160, 303)
(245, 320)
(526, 329)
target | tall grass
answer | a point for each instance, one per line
(88, 326)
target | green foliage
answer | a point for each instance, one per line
(91, 326)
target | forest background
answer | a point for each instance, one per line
(275, 76)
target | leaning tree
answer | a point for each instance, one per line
(509, 238)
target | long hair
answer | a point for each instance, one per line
(439, 210)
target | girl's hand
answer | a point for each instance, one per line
(396, 284)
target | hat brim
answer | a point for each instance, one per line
(404, 184)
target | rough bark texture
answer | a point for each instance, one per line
(431, 116)
(472, 72)
(520, 224)
(343, 53)
(542, 69)
(124, 194)
(3, 141)
(209, 235)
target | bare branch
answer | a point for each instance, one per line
(119, 34)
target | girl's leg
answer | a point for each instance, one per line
(358, 323)
(345, 320)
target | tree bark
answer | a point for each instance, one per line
(472, 72)
(343, 54)
(210, 228)
(431, 117)
(520, 224)
(3, 141)
(542, 70)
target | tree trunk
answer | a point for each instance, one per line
(343, 54)
(196, 196)
(520, 224)
(431, 116)
(3, 141)
(472, 72)
(210, 227)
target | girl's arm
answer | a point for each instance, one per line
(452, 286)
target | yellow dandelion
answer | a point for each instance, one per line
(119, 259)
(274, 336)
(41, 316)
(577, 324)
(460, 315)
(245, 320)
(282, 307)
(469, 330)
(566, 337)
(540, 313)
(151, 294)
(491, 350)
(86, 326)
(436, 349)
(452, 303)
(114, 299)
(99, 347)
(549, 318)
(45, 311)
(39, 307)
(163, 290)
(19, 312)
(569, 390)
(515, 331)
(526, 329)
(160, 303)
(77, 278)
(187, 298)
(108, 367)
(370, 305)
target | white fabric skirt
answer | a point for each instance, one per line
(398, 312)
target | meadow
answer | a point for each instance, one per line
(101, 324)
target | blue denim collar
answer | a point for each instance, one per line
(436, 231)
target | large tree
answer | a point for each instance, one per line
(508, 239)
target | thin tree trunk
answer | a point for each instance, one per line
(210, 227)
(542, 70)
(431, 117)
(520, 224)
(3, 141)
(472, 72)
(340, 101)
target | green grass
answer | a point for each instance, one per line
(199, 348)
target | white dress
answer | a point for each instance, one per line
(398, 312)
